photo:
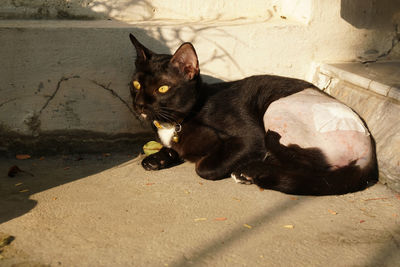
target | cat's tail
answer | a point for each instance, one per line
(295, 170)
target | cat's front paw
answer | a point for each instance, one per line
(165, 158)
(153, 163)
(241, 178)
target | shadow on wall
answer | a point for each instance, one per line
(371, 14)
(73, 9)
(379, 16)
(137, 10)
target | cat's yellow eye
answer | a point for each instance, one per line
(136, 84)
(163, 89)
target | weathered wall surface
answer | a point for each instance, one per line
(68, 77)
(60, 83)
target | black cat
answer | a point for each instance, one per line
(279, 133)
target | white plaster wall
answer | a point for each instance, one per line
(338, 30)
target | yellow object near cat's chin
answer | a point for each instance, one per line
(151, 147)
(136, 84)
(163, 89)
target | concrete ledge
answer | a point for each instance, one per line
(359, 86)
(380, 77)
(70, 142)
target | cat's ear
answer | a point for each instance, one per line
(142, 52)
(185, 59)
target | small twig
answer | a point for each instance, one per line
(378, 198)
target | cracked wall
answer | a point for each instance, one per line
(53, 87)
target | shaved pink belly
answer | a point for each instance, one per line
(311, 119)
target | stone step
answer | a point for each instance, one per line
(373, 90)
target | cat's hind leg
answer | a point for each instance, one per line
(225, 157)
(304, 181)
(295, 170)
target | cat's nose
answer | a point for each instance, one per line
(140, 106)
(139, 102)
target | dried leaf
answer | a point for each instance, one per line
(221, 219)
(67, 168)
(152, 147)
(5, 240)
(200, 219)
(247, 226)
(23, 156)
(294, 198)
(24, 190)
(362, 221)
(283, 17)
(150, 183)
(332, 212)
(18, 184)
(289, 226)
(106, 154)
(41, 158)
(377, 198)
(397, 196)
(237, 199)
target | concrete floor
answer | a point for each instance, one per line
(105, 210)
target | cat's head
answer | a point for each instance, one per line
(165, 87)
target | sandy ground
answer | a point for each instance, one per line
(105, 210)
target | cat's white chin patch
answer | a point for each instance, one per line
(144, 116)
(166, 135)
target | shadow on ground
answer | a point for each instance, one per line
(16, 192)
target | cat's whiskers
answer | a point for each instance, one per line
(167, 114)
